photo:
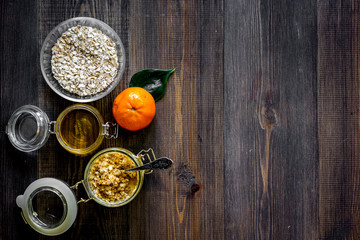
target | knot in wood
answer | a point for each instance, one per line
(268, 117)
(195, 187)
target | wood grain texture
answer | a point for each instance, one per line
(188, 124)
(270, 120)
(338, 82)
(93, 221)
(18, 49)
(186, 202)
(261, 118)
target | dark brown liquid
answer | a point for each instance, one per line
(79, 129)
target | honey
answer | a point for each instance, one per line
(79, 129)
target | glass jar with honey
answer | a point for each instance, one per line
(80, 129)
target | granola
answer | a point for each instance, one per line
(108, 178)
(84, 60)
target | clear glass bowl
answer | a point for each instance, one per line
(46, 54)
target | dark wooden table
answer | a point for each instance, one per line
(261, 118)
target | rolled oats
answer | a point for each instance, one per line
(84, 60)
(108, 179)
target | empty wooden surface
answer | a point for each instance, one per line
(270, 119)
(261, 118)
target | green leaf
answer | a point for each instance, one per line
(152, 80)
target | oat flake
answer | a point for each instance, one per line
(84, 60)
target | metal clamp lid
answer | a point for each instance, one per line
(41, 206)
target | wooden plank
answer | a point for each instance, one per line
(93, 221)
(18, 69)
(289, 137)
(270, 120)
(338, 71)
(186, 203)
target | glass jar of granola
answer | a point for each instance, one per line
(49, 205)
(107, 182)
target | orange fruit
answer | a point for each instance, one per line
(134, 108)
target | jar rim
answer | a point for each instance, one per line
(95, 113)
(42, 128)
(34, 216)
(63, 191)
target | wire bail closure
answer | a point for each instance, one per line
(52, 127)
(82, 200)
(110, 130)
(147, 156)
